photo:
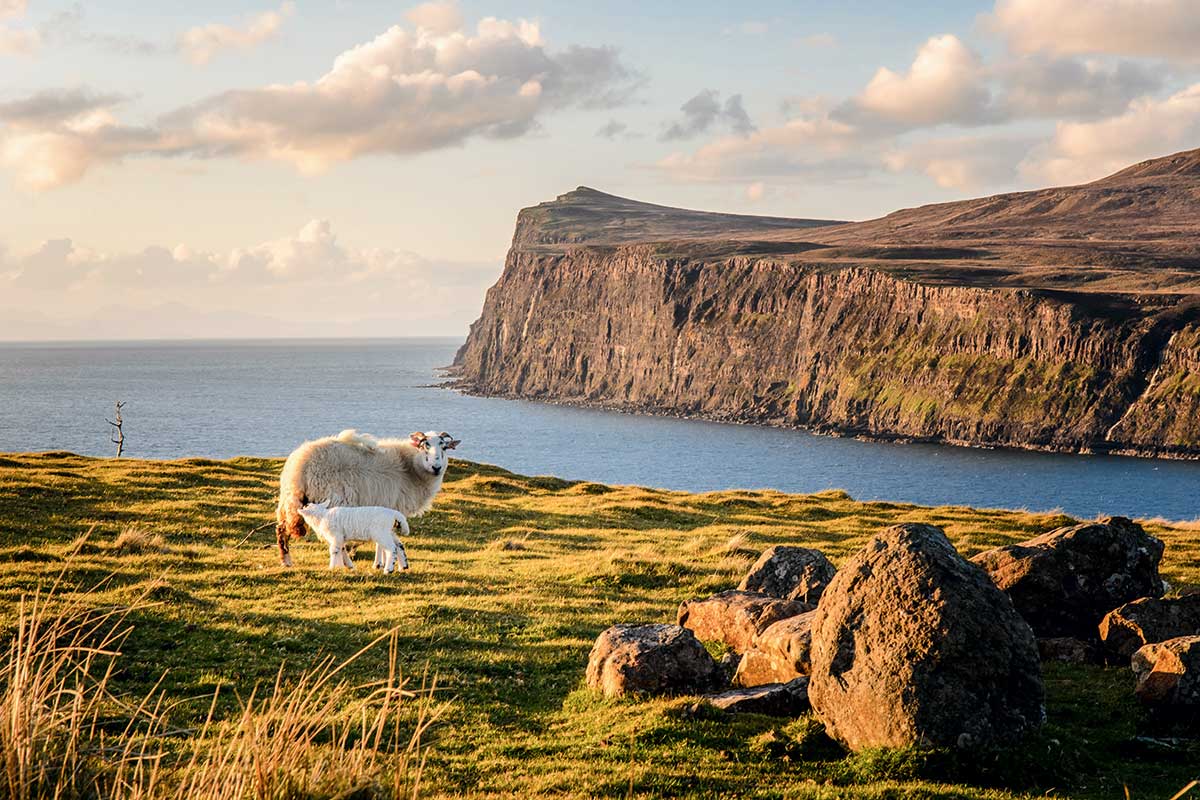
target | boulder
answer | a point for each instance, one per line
(1065, 581)
(1068, 650)
(1168, 674)
(734, 618)
(913, 645)
(790, 573)
(651, 659)
(780, 653)
(776, 699)
(1125, 630)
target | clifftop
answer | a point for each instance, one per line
(588, 216)
(1137, 231)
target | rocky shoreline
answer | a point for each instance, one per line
(470, 389)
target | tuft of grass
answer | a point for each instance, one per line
(136, 541)
(67, 732)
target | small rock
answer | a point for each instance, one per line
(1168, 673)
(790, 573)
(780, 653)
(1068, 650)
(1151, 619)
(775, 699)
(734, 618)
(651, 659)
(1065, 581)
(913, 645)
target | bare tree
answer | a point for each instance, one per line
(118, 435)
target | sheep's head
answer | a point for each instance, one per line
(431, 449)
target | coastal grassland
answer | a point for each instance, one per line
(512, 578)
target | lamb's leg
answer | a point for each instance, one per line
(379, 556)
(347, 561)
(401, 554)
(335, 555)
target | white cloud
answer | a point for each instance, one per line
(963, 163)
(1152, 28)
(407, 92)
(18, 41)
(13, 8)
(403, 92)
(809, 146)
(944, 84)
(309, 283)
(200, 44)
(438, 17)
(54, 137)
(1084, 151)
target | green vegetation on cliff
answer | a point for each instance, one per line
(512, 579)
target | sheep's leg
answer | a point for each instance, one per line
(335, 556)
(401, 554)
(379, 556)
(347, 561)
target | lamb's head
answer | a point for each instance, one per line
(431, 449)
(314, 513)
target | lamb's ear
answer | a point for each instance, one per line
(448, 441)
(417, 438)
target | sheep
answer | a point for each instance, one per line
(355, 469)
(337, 526)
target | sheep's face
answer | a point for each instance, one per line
(431, 449)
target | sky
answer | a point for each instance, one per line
(354, 167)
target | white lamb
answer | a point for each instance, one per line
(337, 526)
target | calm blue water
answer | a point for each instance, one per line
(222, 399)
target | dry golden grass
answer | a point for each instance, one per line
(66, 732)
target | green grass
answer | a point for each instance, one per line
(512, 578)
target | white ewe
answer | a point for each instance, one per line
(354, 469)
(338, 526)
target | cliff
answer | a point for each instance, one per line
(1064, 319)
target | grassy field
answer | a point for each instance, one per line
(512, 578)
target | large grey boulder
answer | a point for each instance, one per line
(1065, 581)
(1168, 674)
(651, 659)
(782, 652)
(913, 645)
(734, 618)
(1125, 630)
(790, 573)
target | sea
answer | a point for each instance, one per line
(219, 399)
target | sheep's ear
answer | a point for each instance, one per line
(417, 438)
(450, 444)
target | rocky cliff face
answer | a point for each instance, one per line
(981, 345)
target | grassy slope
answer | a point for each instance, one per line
(512, 579)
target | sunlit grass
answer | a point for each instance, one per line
(512, 578)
